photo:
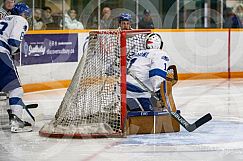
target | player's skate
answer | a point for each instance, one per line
(17, 125)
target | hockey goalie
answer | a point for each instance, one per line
(149, 88)
(147, 74)
(149, 67)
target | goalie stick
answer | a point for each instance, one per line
(189, 127)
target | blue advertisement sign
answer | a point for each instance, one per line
(49, 48)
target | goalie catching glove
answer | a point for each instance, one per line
(172, 74)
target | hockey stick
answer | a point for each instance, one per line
(189, 127)
(27, 107)
(30, 106)
(30, 114)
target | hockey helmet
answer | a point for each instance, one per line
(125, 17)
(153, 41)
(20, 8)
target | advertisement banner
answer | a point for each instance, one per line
(49, 48)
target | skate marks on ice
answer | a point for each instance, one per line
(221, 137)
(218, 135)
(222, 98)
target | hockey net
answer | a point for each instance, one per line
(95, 102)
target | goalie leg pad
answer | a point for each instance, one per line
(166, 91)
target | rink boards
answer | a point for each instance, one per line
(198, 53)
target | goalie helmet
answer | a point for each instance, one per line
(20, 8)
(153, 41)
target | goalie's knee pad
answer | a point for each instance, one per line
(133, 105)
(139, 104)
(146, 104)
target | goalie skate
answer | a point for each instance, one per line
(17, 125)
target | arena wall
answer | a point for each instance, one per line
(198, 53)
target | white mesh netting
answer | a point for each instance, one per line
(4, 120)
(92, 103)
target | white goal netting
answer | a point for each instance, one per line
(4, 119)
(92, 104)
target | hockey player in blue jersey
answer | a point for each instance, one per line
(12, 31)
(150, 67)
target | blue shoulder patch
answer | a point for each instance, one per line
(166, 58)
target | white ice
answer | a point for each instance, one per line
(219, 140)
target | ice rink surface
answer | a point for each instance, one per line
(219, 140)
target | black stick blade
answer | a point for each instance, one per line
(29, 106)
(200, 122)
(203, 120)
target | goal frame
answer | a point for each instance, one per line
(123, 88)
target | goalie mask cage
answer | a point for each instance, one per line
(94, 105)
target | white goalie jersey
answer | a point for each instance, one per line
(12, 31)
(149, 66)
